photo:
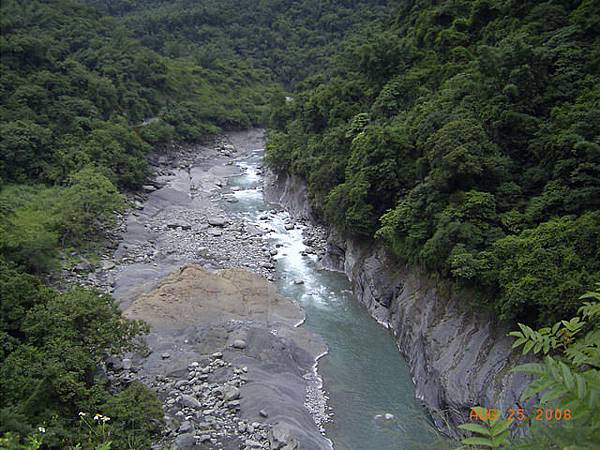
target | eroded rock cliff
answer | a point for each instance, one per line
(459, 356)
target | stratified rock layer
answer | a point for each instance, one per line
(459, 357)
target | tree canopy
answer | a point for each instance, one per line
(466, 135)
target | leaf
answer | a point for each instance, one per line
(500, 426)
(567, 376)
(476, 428)
(478, 441)
(553, 395)
(519, 342)
(581, 387)
(532, 368)
(501, 439)
(527, 347)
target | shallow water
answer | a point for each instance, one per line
(364, 374)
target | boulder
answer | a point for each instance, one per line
(230, 393)
(280, 437)
(217, 221)
(107, 265)
(178, 223)
(190, 402)
(240, 344)
(185, 441)
(186, 427)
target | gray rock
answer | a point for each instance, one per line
(178, 223)
(215, 233)
(289, 226)
(107, 265)
(217, 221)
(148, 188)
(190, 402)
(186, 427)
(165, 355)
(185, 441)
(127, 364)
(230, 393)
(83, 266)
(239, 344)
(263, 413)
(280, 436)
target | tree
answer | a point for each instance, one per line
(88, 203)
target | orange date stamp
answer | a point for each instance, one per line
(520, 414)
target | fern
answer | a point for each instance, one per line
(493, 434)
(570, 376)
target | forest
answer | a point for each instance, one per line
(87, 89)
(464, 135)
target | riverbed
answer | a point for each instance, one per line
(368, 384)
(208, 208)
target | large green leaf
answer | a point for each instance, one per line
(476, 428)
(479, 441)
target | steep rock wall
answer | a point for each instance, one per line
(459, 357)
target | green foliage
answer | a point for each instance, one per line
(467, 138)
(88, 203)
(76, 84)
(157, 132)
(28, 228)
(494, 433)
(568, 377)
(291, 40)
(52, 345)
(542, 268)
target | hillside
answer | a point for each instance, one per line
(466, 136)
(461, 136)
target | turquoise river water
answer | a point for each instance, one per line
(365, 378)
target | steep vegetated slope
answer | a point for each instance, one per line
(83, 98)
(291, 39)
(466, 135)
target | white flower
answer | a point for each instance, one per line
(41, 429)
(82, 414)
(97, 417)
(105, 419)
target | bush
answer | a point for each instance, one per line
(88, 204)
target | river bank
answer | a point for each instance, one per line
(211, 266)
(459, 356)
(227, 355)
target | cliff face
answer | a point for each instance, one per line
(458, 357)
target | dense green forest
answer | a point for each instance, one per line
(466, 135)
(290, 39)
(87, 89)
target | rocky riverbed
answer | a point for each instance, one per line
(227, 355)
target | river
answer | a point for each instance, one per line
(368, 383)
